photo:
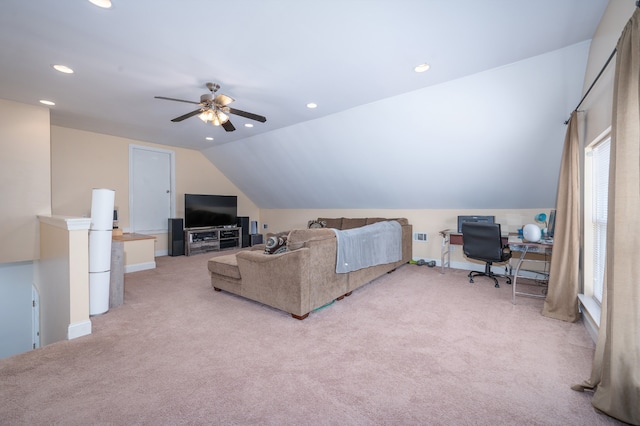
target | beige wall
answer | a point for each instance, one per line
(78, 276)
(84, 160)
(25, 179)
(63, 278)
(424, 221)
(55, 285)
(103, 161)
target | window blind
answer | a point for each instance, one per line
(600, 163)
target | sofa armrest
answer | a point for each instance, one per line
(279, 280)
(258, 257)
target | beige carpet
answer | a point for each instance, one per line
(412, 348)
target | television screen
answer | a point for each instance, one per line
(485, 219)
(202, 211)
(552, 223)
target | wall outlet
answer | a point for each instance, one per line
(421, 236)
(265, 226)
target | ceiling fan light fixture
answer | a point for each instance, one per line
(206, 116)
(219, 118)
(215, 117)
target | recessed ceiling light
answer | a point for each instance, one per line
(105, 4)
(209, 138)
(248, 125)
(312, 105)
(63, 68)
(45, 102)
(422, 68)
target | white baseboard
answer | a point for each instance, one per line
(139, 267)
(164, 252)
(79, 329)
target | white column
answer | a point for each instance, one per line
(100, 234)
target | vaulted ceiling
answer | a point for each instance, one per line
(483, 128)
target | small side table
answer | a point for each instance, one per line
(255, 239)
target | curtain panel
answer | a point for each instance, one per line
(562, 296)
(615, 374)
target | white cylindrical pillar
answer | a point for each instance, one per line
(99, 292)
(100, 236)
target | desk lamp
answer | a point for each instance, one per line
(542, 218)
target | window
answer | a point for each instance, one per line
(596, 236)
(600, 189)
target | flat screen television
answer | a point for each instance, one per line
(484, 219)
(203, 211)
(552, 223)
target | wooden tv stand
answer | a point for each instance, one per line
(202, 240)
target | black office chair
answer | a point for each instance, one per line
(483, 241)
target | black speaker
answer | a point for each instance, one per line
(243, 222)
(176, 237)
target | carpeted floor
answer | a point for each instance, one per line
(413, 347)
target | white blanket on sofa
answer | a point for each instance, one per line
(369, 245)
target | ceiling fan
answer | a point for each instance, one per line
(214, 109)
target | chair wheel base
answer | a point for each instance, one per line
(491, 275)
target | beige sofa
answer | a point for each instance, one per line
(304, 277)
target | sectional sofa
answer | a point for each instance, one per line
(302, 277)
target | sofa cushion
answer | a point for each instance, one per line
(371, 220)
(348, 223)
(226, 265)
(335, 223)
(276, 244)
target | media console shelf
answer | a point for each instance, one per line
(202, 240)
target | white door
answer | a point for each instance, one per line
(151, 187)
(18, 311)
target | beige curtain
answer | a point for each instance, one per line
(562, 297)
(616, 367)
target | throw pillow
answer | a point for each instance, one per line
(276, 244)
(317, 224)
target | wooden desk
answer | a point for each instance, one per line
(516, 244)
(454, 238)
(139, 251)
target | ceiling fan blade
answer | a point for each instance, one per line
(228, 126)
(247, 115)
(187, 115)
(177, 100)
(222, 100)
